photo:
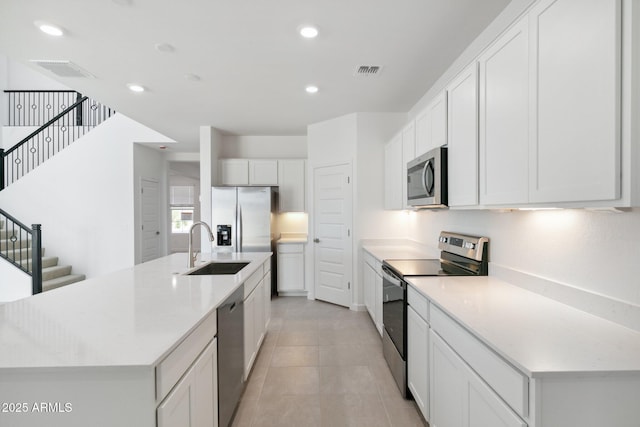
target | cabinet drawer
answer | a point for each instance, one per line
(418, 302)
(370, 259)
(507, 381)
(290, 248)
(172, 367)
(252, 282)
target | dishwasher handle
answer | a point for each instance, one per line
(392, 279)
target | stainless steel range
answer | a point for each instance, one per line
(460, 256)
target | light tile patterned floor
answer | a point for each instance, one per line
(322, 365)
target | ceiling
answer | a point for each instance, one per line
(252, 63)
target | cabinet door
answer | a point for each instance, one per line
(291, 183)
(267, 299)
(447, 385)
(290, 272)
(463, 138)
(234, 171)
(263, 172)
(575, 150)
(418, 360)
(504, 116)
(258, 329)
(378, 302)
(437, 114)
(369, 279)
(205, 378)
(393, 174)
(177, 408)
(423, 133)
(249, 334)
(408, 154)
(485, 408)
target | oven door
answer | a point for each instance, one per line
(394, 296)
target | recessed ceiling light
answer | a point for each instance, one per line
(311, 89)
(192, 77)
(164, 47)
(308, 32)
(133, 87)
(49, 29)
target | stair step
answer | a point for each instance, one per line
(62, 281)
(6, 244)
(51, 273)
(20, 254)
(50, 261)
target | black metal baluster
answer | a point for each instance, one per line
(36, 260)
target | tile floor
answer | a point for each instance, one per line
(322, 365)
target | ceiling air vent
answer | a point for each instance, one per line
(62, 68)
(367, 70)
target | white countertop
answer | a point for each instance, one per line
(288, 238)
(132, 317)
(538, 335)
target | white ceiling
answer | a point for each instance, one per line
(253, 64)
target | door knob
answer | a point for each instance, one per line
(316, 240)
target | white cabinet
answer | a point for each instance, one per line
(291, 269)
(263, 172)
(292, 184)
(267, 294)
(408, 154)
(372, 287)
(393, 174)
(463, 138)
(437, 122)
(423, 137)
(249, 333)
(504, 118)
(248, 172)
(575, 114)
(256, 313)
(193, 402)
(418, 359)
(234, 172)
(459, 398)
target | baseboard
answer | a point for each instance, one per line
(621, 312)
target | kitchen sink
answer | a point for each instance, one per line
(215, 268)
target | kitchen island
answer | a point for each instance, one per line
(96, 353)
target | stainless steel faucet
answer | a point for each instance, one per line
(194, 254)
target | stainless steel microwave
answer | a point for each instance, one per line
(427, 180)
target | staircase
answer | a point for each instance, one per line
(19, 251)
(62, 117)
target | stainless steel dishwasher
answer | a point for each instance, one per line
(230, 356)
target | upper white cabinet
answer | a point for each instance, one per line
(248, 172)
(263, 172)
(504, 118)
(437, 119)
(291, 182)
(408, 154)
(575, 112)
(423, 137)
(463, 137)
(393, 176)
(234, 172)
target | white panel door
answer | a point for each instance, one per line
(332, 213)
(447, 384)
(177, 409)
(437, 114)
(249, 333)
(150, 220)
(575, 150)
(408, 154)
(205, 407)
(369, 283)
(418, 360)
(463, 138)
(504, 118)
(393, 176)
(423, 133)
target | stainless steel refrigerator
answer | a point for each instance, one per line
(244, 220)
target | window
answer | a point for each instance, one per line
(182, 205)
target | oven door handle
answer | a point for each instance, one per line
(392, 279)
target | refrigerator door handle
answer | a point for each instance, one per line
(240, 228)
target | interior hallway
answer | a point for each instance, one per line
(322, 365)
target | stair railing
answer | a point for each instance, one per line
(50, 138)
(36, 107)
(23, 248)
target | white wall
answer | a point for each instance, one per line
(210, 143)
(84, 198)
(150, 163)
(293, 222)
(263, 147)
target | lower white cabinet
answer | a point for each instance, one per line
(291, 269)
(372, 284)
(418, 360)
(193, 402)
(459, 398)
(257, 313)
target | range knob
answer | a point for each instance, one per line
(469, 245)
(443, 239)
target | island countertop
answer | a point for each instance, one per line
(132, 317)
